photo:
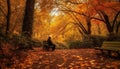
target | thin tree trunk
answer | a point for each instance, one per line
(8, 17)
(115, 19)
(109, 27)
(117, 29)
(106, 18)
(28, 18)
(88, 25)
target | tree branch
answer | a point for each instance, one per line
(97, 19)
(115, 19)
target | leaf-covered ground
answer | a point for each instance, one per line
(65, 59)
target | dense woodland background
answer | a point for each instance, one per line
(25, 24)
(67, 21)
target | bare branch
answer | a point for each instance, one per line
(116, 16)
(97, 19)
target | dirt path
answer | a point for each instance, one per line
(67, 59)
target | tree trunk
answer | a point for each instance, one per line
(107, 22)
(28, 18)
(8, 17)
(117, 29)
(88, 25)
(109, 27)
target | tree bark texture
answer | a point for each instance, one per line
(28, 18)
(8, 17)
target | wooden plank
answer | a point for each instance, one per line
(111, 44)
(109, 47)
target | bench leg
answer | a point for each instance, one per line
(45, 48)
(53, 48)
(102, 51)
(109, 53)
(106, 52)
(114, 54)
(118, 54)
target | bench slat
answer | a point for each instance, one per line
(110, 45)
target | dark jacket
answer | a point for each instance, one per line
(49, 41)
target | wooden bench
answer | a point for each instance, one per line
(109, 48)
(46, 47)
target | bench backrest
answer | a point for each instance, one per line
(45, 43)
(111, 44)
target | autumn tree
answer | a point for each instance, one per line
(17, 8)
(7, 16)
(90, 13)
(11, 17)
(109, 13)
(74, 9)
(28, 18)
(2, 15)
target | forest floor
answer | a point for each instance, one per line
(65, 59)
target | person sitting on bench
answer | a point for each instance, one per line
(50, 44)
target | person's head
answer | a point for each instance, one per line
(49, 37)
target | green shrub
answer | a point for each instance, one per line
(88, 42)
(61, 45)
(79, 44)
(74, 44)
(97, 40)
(113, 37)
(21, 42)
(3, 38)
(37, 43)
